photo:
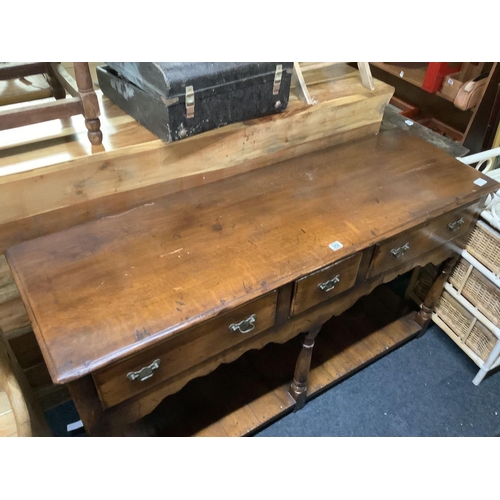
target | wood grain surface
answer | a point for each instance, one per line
(90, 288)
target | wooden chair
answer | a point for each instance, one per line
(20, 414)
(83, 98)
(300, 84)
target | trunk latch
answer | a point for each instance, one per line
(277, 79)
(189, 101)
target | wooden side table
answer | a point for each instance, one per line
(83, 98)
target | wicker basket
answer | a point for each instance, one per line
(466, 327)
(481, 340)
(454, 315)
(484, 245)
(477, 289)
(459, 274)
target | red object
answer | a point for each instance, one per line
(436, 71)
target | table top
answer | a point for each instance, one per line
(103, 290)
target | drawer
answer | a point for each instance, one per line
(411, 244)
(125, 379)
(325, 283)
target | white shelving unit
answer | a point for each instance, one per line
(469, 308)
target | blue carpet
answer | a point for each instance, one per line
(422, 389)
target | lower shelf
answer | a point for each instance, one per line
(240, 398)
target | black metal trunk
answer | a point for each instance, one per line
(178, 100)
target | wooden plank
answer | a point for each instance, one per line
(319, 378)
(334, 363)
(250, 145)
(213, 430)
(56, 220)
(413, 73)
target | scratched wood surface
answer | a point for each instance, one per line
(214, 247)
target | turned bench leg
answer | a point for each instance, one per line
(424, 316)
(298, 388)
(89, 102)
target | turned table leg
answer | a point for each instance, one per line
(298, 388)
(425, 314)
(89, 102)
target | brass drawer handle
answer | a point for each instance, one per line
(245, 326)
(144, 373)
(329, 285)
(453, 226)
(397, 253)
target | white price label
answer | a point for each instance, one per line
(336, 245)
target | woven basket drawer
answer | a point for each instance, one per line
(459, 273)
(454, 315)
(484, 245)
(481, 341)
(465, 326)
(477, 289)
(484, 295)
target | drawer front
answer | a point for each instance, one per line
(409, 245)
(324, 284)
(186, 350)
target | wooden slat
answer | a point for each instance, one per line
(65, 79)
(37, 113)
(9, 71)
(412, 72)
